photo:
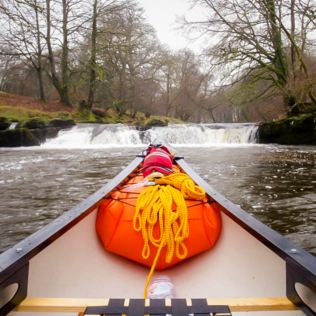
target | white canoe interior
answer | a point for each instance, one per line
(74, 271)
(239, 269)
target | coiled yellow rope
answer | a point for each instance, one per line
(164, 204)
(185, 184)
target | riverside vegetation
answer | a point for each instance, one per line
(33, 126)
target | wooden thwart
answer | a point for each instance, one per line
(78, 305)
(256, 304)
(159, 307)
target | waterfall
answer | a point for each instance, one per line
(13, 125)
(117, 135)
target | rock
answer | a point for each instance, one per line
(4, 123)
(40, 134)
(153, 122)
(52, 132)
(33, 132)
(18, 137)
(61, 123)
(99, 112)
(298, 130)
(39, 131)
(32, 123)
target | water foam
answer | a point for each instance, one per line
(117, 135)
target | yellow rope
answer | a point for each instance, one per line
(164, 205)
(185, 184)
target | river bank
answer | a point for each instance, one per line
(37, 121)
(25, 121)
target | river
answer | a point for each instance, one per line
(274, 183)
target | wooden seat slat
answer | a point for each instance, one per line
(38, 304)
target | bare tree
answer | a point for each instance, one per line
(100, 9)
(128, 48)
(21, 34)
(168, 78)
(61, 34)
(260, 40)
(92, 64)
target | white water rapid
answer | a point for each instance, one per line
(190, 135)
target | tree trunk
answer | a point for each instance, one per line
(60, 85)
(212, 115)
(64, 97)
(279, 60)
(53, 74)
(293, 52)
(39, 56)
(39, 71)
(92, 64)
(168, 105)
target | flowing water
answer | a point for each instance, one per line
(274, 183)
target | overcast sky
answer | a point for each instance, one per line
(162, 14)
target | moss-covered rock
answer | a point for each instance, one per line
(61, 123)
(294, 130)
(40, 134)
(51, 132)
(18, 137)
(4, 123)
(32, 123)
(34, 132)
(152, 122)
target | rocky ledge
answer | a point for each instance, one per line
(297, 130)
(32, 132)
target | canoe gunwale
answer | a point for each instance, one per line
(300, 265)
(14, 261)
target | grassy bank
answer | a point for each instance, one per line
(20, 108)
(18, 114)
(39, 121)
